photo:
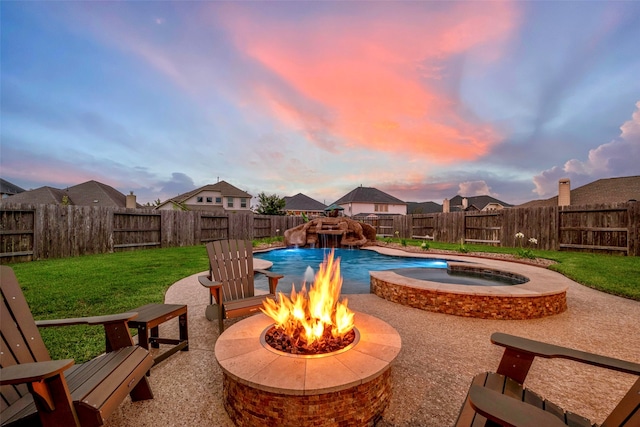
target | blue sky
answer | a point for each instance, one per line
(423, 100)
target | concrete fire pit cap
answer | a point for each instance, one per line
(244, 358)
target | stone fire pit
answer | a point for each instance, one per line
(262, 386)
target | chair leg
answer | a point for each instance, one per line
(54, 392)
(142, 391)
(220, 318)
(215, 311)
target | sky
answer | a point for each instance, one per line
(423, 100)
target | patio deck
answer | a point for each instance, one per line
(440, 355)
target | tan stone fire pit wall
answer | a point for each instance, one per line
(263, 387)
(357, 406)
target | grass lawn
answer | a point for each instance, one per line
(614, 274)
(118, 282)
(100, 284)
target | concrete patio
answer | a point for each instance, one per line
(440, 354)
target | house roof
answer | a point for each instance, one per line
(301, 202)
(368, 195)
(84, 194)
(39, 196)
(223, 187)
(94, 193)
(479, 202)
(7, 187)
(602, 191)
(423, 207)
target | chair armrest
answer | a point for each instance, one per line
(528, 348)
(273, 279)
(31, 372)
(508, 411)
(115, 327)
(268, 273)
(208, 283)
(215, 289)
(92, 320)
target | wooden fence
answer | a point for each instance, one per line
(611, 229)
(30, 232)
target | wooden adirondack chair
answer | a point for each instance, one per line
(499, 399)
(230, 281)
(39, 391)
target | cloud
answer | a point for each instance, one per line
(178, 184)
(348, 79)
(616, 158)
(474, 188)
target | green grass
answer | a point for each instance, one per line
(118, 282)
(100, 284)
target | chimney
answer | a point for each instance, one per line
(445, 206)
(564, 192)
(465, 203)
(131, 201)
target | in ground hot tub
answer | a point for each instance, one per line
(523, 297)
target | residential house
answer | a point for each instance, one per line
(218, 197)
(8, 189)
(300, 203)
(473, 203)
(364, 201)
(90, 193)
(423, 207)
(602, 191)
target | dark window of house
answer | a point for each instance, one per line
(199, 199)
(229, 202)
(219, 200)
(243, 203)
(209, 199)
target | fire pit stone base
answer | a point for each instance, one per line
(262, 387)
(361, 405)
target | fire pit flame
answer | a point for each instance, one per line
(306, 318)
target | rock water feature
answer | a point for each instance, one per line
(329, 232)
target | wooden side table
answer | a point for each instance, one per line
(152, 315)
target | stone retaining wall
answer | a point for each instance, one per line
(505, 307)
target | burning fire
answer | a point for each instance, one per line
(311, 315)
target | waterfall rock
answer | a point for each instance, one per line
(330, 232)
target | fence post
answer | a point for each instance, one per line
(633, 212)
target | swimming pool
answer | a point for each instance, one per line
(355, 265)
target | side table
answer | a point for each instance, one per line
(152, 315)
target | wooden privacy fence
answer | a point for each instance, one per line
(609, 229)
(29, 232)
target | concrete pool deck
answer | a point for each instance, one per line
(432, 373)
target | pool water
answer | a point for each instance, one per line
(355, 265)
(460, 277)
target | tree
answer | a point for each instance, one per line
(154, 203)
(270, 205)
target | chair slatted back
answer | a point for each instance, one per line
(20, 339)
(231, 263)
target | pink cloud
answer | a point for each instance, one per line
(370, 81)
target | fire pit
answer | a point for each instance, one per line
(343, 382)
